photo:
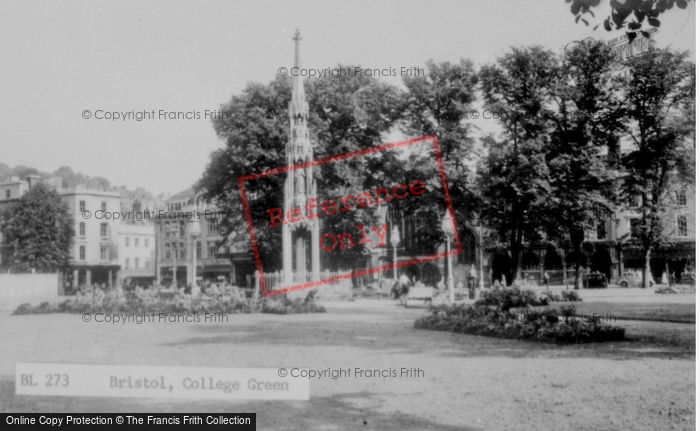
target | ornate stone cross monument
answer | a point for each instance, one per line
(299, 187)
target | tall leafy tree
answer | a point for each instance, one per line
(439, 103)
(514, 178)
(587, 118)
(659, 94)
(37, 231)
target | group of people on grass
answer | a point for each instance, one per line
(401, 288)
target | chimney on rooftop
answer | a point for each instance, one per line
(33, 180)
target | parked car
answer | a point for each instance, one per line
(591, 281)
(633, 278)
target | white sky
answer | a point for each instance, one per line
(60, 58)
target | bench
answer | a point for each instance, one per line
(420, 293)
(167, 294)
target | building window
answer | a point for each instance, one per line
(82, 252)
(104, 252)
(199, 249)
(82, 206)
(681, 200)
(167, 251)
(136, 263)
(126, 263)
(182, 229)
(136, 242)
(103, 229)
(104, 207)
(145, 242)
(126, 241)
(81, 228)
(682, 226)
(600, 231)
(213, 226)
(635, 225)
(182, 250)
(7, 194)
(212, 249)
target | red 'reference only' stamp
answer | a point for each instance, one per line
(329, 241)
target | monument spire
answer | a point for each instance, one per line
(299, 105)
(300, 185)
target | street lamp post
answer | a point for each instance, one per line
(194, 232)
(173, 230)
(447, 230)
(481, 256)
(395, 239)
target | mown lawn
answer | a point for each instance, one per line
(680, 313)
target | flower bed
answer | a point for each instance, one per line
(665, 290)
(506, 299)
(551, 325)
(566, 296)
(95, 300)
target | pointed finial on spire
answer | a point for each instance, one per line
(298, 103)
(296, 39)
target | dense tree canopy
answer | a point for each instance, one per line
(587, 119)
(545, 180)
(660, 107)
(514, 178)
(439, 104)
(37, 231)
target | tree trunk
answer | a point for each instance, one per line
(576, 237)
(647, 266)
(515, 251)
(566, 283)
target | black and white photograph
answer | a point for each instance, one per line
(348, 215)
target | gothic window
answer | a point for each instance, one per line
(682, 225)
(635, 225)
(681, 198)
(600, 231)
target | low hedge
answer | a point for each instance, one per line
(566, 296)
(514, 297)
(96, 300)
(664, 290)
(551, 325)
(511, 297)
